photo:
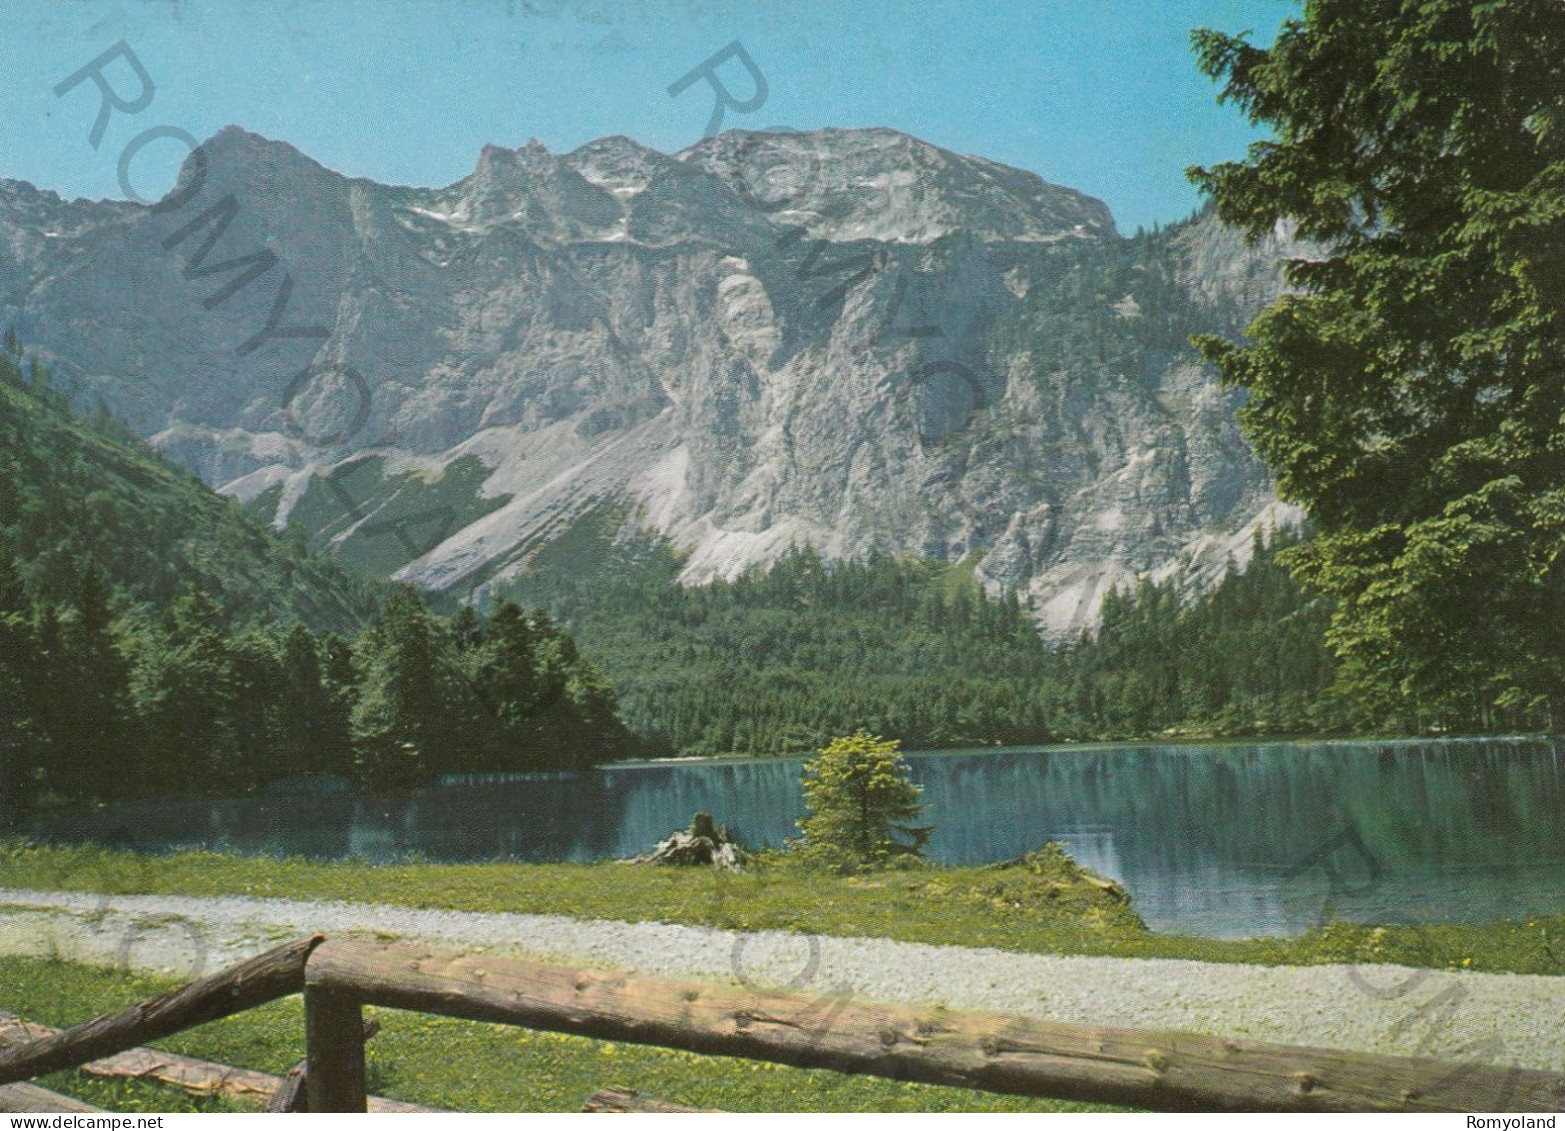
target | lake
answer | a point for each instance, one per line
(1225, 841)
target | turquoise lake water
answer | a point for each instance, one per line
(1226, 841)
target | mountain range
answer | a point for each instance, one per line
(847, 339)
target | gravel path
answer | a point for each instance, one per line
(1499, 1018)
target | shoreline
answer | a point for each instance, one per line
(1067, 746)
(1039, 906)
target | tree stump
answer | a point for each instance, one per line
(703, 844)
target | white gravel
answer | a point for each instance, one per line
(1498, 1018)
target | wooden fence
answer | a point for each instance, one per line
(189, 1073)
(1138, 1068)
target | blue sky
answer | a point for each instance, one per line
(1100, 95)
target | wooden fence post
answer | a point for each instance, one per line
(334, 1046)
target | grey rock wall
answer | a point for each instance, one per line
(849, 338)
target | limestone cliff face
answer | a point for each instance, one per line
(847, 338)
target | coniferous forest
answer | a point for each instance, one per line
(154, 638)
(781, 659)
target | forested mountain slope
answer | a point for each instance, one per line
(79, 494)
(155, 638)
(781, 658)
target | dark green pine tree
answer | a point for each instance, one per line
(89, 742)
(140, 653)
(304, 708)
(257, 706)
(333, 734)
(46, 684)
(467, 630)
(399, 725)
(20, 766)
(182, 694)
(506, 699)
(475, 712)
(1408, 392)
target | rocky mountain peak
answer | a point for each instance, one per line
(496, 161)
(250, 154)
(879, 184)
(237, 160)
(618, 164)
(527, 188)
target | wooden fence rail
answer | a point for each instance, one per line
(266, 977)
(1134, 1067)
(32, 1099)
(1164, 1071)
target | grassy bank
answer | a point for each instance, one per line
(461, 1065)
(1044, 904)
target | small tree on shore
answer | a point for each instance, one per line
(862, 805)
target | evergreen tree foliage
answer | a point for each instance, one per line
(1247, 657)
(154, 639)
(75, 499)
(399, 723)
(89, 726)
(306, 733)
(779, 660)
(861, 805)
(1409, 395)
